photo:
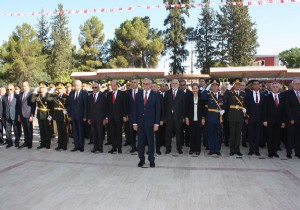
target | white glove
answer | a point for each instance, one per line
(208, 87)
(35, 90)
(222, 112)
(49, 118)
(65, 112)
(244, 110)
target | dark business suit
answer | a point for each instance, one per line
(115, 114)
(130, 107)
(97, 112)
(195, 125)
(10, 114)
(146, 116)
(254, 111)
(77, 110)
(274, 116)
(292, 108)
(185, 133)
(160, 135)
(26, 110)
(174, 113)
(1, 121)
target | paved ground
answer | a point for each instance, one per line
(47, 179)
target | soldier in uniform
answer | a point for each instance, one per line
(44, 114)
(235, 101)
(60, 104)
(213, 116)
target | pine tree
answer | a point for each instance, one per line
(206, 39)
(90, 40)
(43, 29)
(61, 59)
(241, 35)
(175, 35)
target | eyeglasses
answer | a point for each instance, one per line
(94, 87)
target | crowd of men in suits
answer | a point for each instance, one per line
(204, 113)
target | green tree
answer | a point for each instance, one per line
(43, 29)
(61, 59)
(90, 40)
(175, 35)
(291, 57)
(240, 36)
(22, 56)
(137, 43)
(206, 39)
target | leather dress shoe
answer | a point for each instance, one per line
(47, 147)
(82, 150)
(64, 148)
(218, 153)
(141, 163)
(152, 164)
(23, 145)
(58, 148)
(120, 151)
(231, 153)
(180, 151)
(40, 147)
(197, 153)
(191, 152)
(276, 155)
(210, 153)
(168, 151)
(158, 152)
(289, 156)
(100, 150)
(239, 154)
(29, 147)
(133, 150)
(250, 153)
(112, 151)
(257, 153)
(74, 150)
(270, 156)
(94, 150)
(9, 145)
(17, 145)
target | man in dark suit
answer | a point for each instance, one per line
(10, 113)
(131, 96)
(292, 107)
(254, 105)
(174, 115)
(77, 110)
(273, 118)
(60, 103)
(146, 121)
(161, 133)
(97, 113)
(2, 93)
(117, 114)
(185, 133)
(235, 102)
(25, 114)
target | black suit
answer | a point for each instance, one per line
(254, 111)
(174, 113)
(274, 116)
(292, 114)
(77, 109)
(10, 114)
(195, 125)
(97, 112)
(115, 114)
(26, 110)
(1, 120)
(185, 133)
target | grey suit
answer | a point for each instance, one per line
(10, 116)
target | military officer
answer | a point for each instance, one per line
(60, 103)
(44, 114)
(213, 116)
(235, 101)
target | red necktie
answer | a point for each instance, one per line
(256, 99)
(276, 100)
(174, 95)
(9, 99)
(94, 97)
(113, 97)
(145, 99)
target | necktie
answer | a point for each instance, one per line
(134, 94)
(256, 98)
(76, 95)
(113, 97)
(24, 95)
(276, 100)
(145, 98)
(174, 95)
(94, 97)
(9, 99)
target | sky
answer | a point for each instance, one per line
(277, 24)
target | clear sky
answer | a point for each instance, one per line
(277, 24)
